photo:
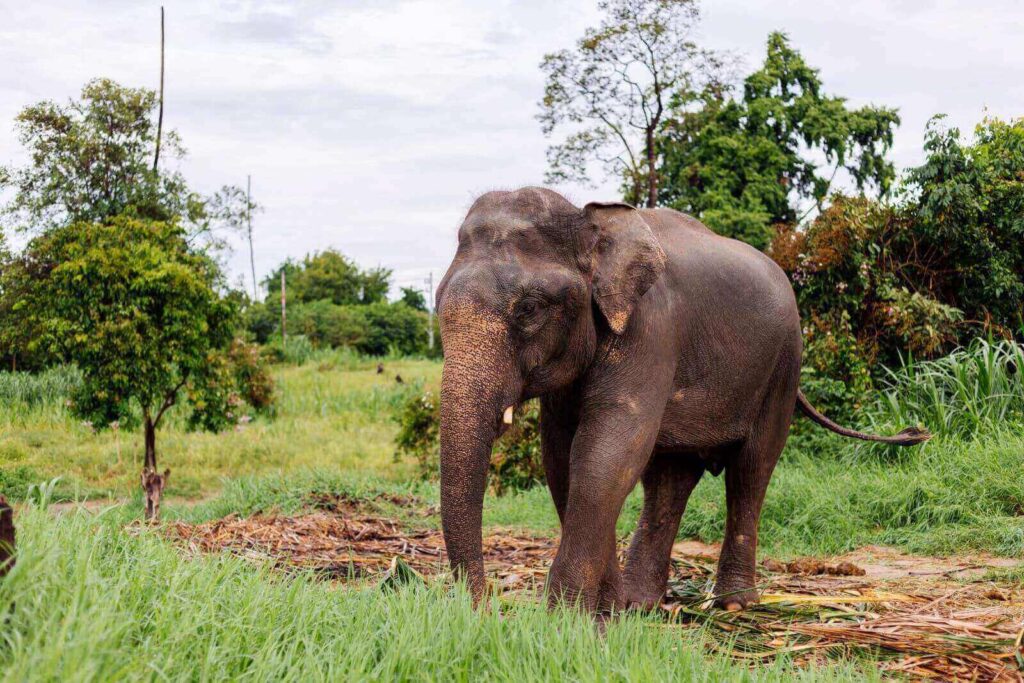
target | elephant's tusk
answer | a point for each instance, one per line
(507, 417)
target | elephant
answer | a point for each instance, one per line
(658, 350)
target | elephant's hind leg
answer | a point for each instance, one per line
(668, 481)
(746, 481)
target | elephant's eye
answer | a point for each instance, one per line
(527, 308)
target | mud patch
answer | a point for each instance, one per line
(919, 617)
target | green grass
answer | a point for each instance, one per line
(88, 601)
(333, 413)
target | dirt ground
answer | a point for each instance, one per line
(920, 617)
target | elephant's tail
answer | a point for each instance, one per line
(911, 436)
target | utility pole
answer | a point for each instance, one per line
(248, 223)
(430, 311)
(284, 333)
(160, 116)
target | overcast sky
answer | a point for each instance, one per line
(369, 125)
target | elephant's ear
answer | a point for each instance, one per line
(626, 258)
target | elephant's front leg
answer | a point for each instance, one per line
(610, 451)
(559, 418)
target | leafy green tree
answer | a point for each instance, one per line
(969, 220)
(413, 298)
(139, 312)
(393, 326)
(612, 91)
(331, 276)
(92, 159)
(743, 165)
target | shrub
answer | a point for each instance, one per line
(252, 376)
(418, 429)
(516, 462)
(393, 326)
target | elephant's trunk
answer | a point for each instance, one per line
(476, 386)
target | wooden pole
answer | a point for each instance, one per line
(160, 116)
(248, 221)
(284, 333)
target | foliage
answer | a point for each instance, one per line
(252, 376)
(967, 205)
(920, 276)
(139, 312)
(516, 462)
(413, 298)
(835, 376)
(92, 159)
(418, 433)
(393, 327)
(744, 165)
(330, 276)
(375, 329)
(613, 89)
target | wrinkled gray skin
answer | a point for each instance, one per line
(659, 350)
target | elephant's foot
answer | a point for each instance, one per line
(734, 596)
(610, 595)
(643, 594)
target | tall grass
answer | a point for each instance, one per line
(88, 601)
(974, 389)
(44, 394)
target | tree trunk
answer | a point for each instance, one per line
(153, 482)
(6, 537)
(652, 177)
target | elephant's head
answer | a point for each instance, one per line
(533, 284)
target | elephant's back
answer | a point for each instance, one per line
(719, 271)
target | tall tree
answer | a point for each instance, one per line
(92, 159)
(772, 156)
(613, 90)
(139, 312)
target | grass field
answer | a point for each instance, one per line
(332, 413)
(93, 597)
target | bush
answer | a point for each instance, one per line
(252, 376)
(516, 462)
(374, 329)
(393, 326)
(418, 429)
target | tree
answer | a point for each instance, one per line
(138, 310)
(744, 165)
(968, 203)
(614, 88)
(413, 298)
(92, 159)
(331, 276)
